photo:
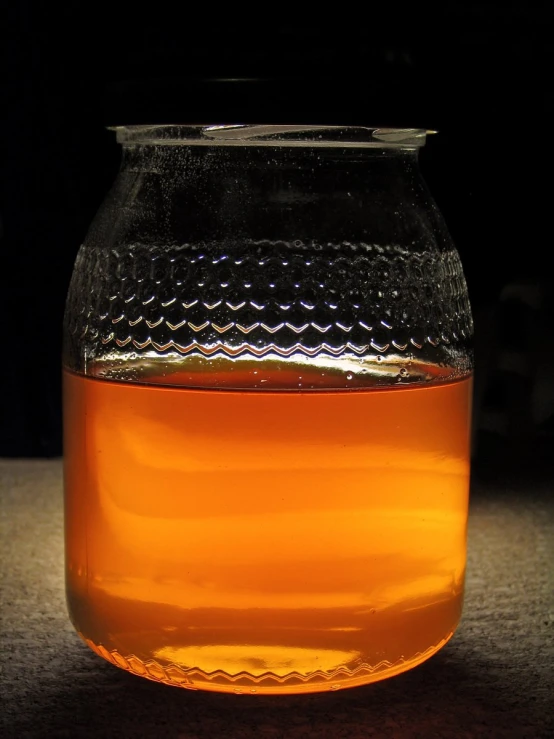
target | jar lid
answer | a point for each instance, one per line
(271, 135)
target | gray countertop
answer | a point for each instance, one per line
(494, 679)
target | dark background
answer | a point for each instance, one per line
(476, 72)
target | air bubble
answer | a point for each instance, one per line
(349, 376)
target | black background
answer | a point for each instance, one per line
(476, 72)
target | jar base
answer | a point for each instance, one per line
(266, 684)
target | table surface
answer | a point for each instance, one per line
(495, 678)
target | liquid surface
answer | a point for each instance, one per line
(269, 542)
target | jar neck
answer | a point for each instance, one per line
(244, 193)
(169, 158)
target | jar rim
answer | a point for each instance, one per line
(271, 135)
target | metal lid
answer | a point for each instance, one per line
(272, 135)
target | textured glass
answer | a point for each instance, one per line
(273, 251)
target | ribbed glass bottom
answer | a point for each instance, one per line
(265, 684)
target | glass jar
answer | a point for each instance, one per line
(267, 383)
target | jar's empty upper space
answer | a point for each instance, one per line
(268, 135)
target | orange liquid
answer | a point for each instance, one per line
(265, 542)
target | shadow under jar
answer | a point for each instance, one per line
(267, 384)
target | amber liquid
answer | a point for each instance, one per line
(265, 542)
